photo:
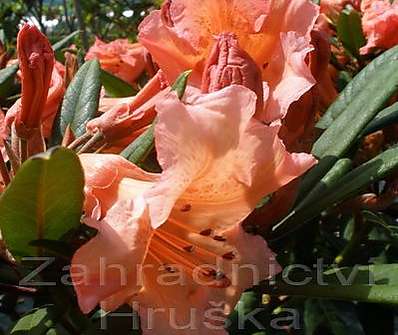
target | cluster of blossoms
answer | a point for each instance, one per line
(241, 131)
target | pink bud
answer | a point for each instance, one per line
(228, 64)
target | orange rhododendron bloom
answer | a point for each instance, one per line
(218, 162)
(120, 57)
(275, 34)
(380, 24)
(36, 61)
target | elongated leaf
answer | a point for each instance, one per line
(340, 136)
(141, 147)
(116, 87)
(349, 30)
(43, 201)
(349, 185)
(385, 118)
(339, 317)
(356, 86)
(7, 76)
(372, 283)
(81, 99)
(346, 129)
(341, 167)
(65, 41)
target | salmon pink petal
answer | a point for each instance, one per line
(289, 76)
(195, 129)
(110, 261)
(222, 176)
(103, 178)
(173, 55)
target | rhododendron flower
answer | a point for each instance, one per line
(54, 97)
(217, 162)
(380, 24)
(36, 61)
(120, 57)
(275, 34)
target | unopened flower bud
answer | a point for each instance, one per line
(36, 61)
(228, 64)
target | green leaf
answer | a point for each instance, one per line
(351, 184)
(385, 118)
(60, 44)
(339, 317)
(81, 100)
(37, 322)
(356, 86)
(141, 147)
(116, 87)
(345, 131)
(341, 135)
(181, 83)
(369, 283)
(43, 201)
(7, 76)
(349, 30)
(340, 168)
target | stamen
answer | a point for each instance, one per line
(79, 141)
(97, 138)
(186, 247)
(206, 232)
(186, 208)
(219, 238)
(156, 258)
(229, 256)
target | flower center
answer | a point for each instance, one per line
(170, 250)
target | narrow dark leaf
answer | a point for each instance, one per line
(386, 117)
(346, 187)
(116, 87)
(80, 102)
(339, 317)
(369, 283)
(7, 76)
(65, 41)
(345, 131)
(356, 86)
